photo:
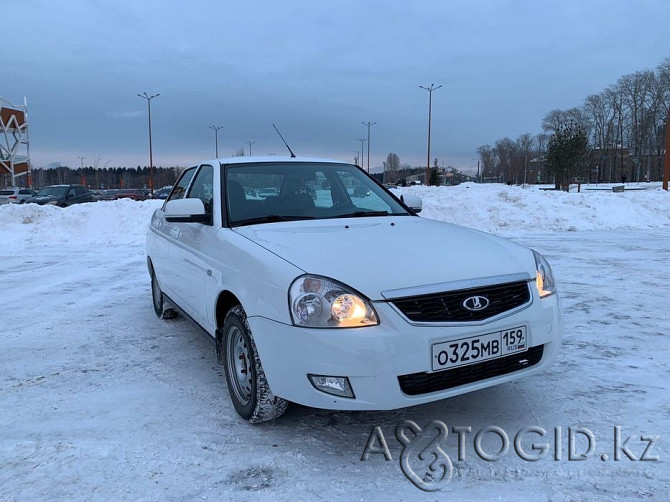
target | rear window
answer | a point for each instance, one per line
(6, 192)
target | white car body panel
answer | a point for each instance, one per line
(349, 247)
(376, 256)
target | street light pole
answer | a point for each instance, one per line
(666, 160)
(250, 143)
(369, 124)
(81, 170)
(216, 138)
(362, 149)
(151, 153)
(430, 109)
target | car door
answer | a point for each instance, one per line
(23, 195)
(81, 194)
(70, 197)
(189, 246)
(162, 233)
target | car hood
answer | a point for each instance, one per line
(379, 254)
(43, 199)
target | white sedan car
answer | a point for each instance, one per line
(334, 301)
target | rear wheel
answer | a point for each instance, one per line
(157, 295)
(248, 388)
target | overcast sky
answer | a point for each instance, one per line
(317, 69)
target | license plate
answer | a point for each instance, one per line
(479, 348)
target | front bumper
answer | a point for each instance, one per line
(373, 357)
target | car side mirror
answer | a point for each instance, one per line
(186, 211)
(413, 202)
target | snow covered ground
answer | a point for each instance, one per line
(100, 400)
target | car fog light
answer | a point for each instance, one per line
(337, 386)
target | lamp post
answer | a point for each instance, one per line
(430, 109)
(369, 124)
(666, 160)
(362, 148)
(151, 153)
(250, 143)
(81, 170)
(216, 138)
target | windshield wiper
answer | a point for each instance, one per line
(359, 214)
(272, 218)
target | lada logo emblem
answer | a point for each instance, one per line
(475, 303)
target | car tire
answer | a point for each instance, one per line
(248, 388)
(157, 295)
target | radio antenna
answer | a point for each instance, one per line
(282, 138)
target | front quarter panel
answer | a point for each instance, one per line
(257, 277)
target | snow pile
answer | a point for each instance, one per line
(115, 222)
(501, 208)
(492, 208)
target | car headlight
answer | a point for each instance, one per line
(318, 302)
(545, 278)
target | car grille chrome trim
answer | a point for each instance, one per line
(423, 383)
(448, 306)
(442, 287)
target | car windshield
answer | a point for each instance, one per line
(286, 191)
(56, 191)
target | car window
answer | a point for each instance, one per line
(203, 187)
(71, 192)
(79, 190)
(180, 188)
(24, 192)
(57, 191)
(361, 195)
(6, 192)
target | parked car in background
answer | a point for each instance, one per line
(162, 193)
(108, 194)
(15, 195)
(267, 192)
(361, 191)
(61, 195)
(413, 201)
(131, 193)
(97, 194)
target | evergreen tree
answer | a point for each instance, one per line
(434, 174)
(567, 153)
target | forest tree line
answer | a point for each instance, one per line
(106, 177)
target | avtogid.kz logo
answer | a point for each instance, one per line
(422, 459)
(425, 463)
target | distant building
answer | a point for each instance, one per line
(14, 151)
(609, 164)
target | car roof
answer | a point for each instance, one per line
(272, 159)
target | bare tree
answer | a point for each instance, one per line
(488, 161)
(524, 148)
(391, 167)
(507, 156)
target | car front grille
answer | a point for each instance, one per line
(423, 383)
(448, 306)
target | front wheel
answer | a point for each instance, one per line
(248, 388)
